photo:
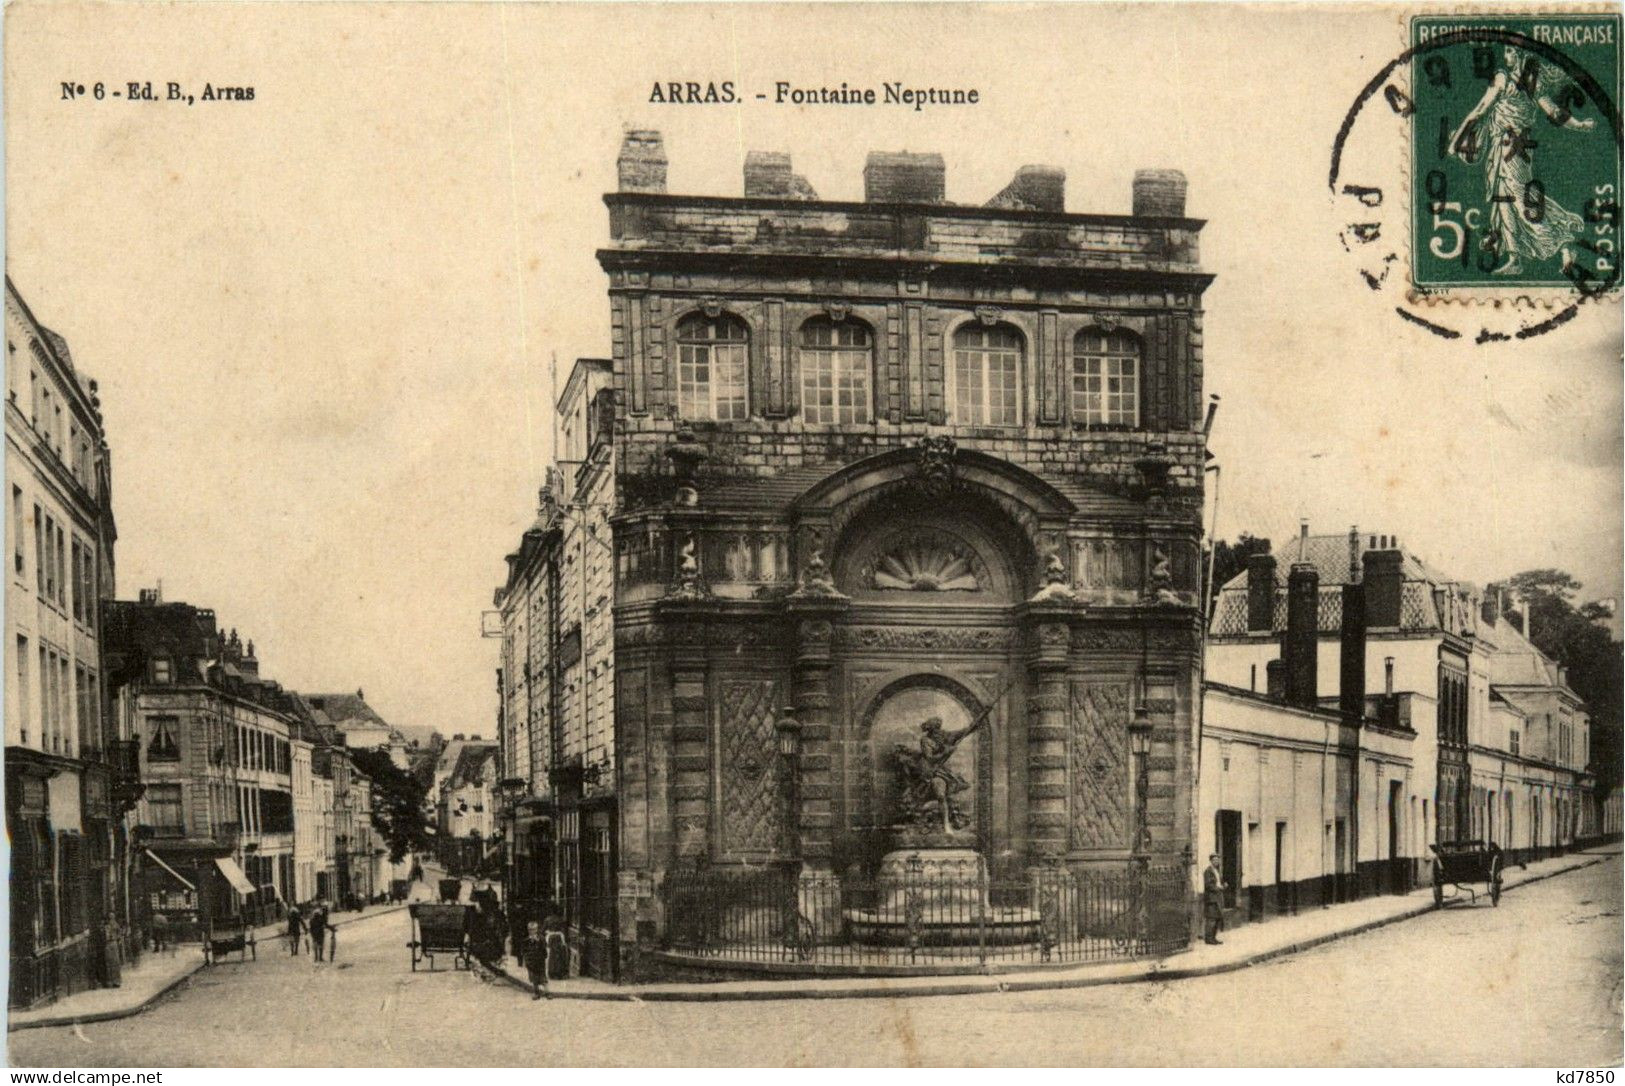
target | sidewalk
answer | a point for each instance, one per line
(156, 975)
(1245, 946)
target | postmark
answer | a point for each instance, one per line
(1482, 165)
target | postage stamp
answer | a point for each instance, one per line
(1515, 152)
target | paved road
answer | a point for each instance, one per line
(1535, 982)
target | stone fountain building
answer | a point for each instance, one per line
(864, 464)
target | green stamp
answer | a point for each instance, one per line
(1515, 152)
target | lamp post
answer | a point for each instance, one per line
(788, 730)
(511, 790)
(1139, 734)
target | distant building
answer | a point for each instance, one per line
(360, 727)
(216, 820)
(1502, 742)
(466, 803)
(70, 779)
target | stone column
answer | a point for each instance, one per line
(1048, 642)
(810, 701)
(685, 629)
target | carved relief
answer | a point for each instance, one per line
(1100, 796)
(922, 637)
(748, 796)
(935, 473)
(926, 560)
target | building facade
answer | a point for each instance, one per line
(69, 780)
(1502, 743)
(216, 819)
(870, 464)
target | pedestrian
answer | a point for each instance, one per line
(1213, 889)
(318, 930)
(296, 929)
(533, 952)
(558, 951)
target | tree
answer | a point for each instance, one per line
(397, 803)
(1230, 559)
(1575, 637)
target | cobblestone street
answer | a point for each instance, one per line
(1534, 982)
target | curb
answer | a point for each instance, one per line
(132, 1011)
(107, 1016)
(1009, 983)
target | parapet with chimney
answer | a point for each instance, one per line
(905, 209)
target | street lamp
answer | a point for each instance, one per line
(510, 790)
(1139, 735)
(788, 731)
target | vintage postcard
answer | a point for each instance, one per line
(918, 534)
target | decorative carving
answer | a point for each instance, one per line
(712, 305)
(688, 584)
(935, 473)
(815, 632)
(926, 560)
(686, 455)
(750, 805)
(1154, 467)
(1159, 581)
(965, 639)
(1057, 585)
(1100, 815)
(838, 311)
(1107, 322)
(1106, 639)
(815, 579)
(988, 315)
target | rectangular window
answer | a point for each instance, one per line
(39, 551)
(24, 709)
(17, 557)
(987, 385)
(711, 381)
(64, 691)
(80, 694)
(1105, 390)
(90, 586)
(61, 567)
(1514, 743)
(162, 672)
(164, 807)
(163, 744)
(77, 558)
(44, 699)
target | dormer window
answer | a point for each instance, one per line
(163, 669)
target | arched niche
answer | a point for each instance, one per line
(918, 549)
(892, 718)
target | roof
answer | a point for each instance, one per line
(350, 712)
(1329, 554)
(470, 766)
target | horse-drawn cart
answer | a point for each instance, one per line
(1456, 863)
(439, 928)
(229, 936)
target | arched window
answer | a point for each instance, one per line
(987, 375)
(836, 359)
(712, 355)
(1105, 378)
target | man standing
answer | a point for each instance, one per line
(1213, 900)
(296, 928)
(318, 930)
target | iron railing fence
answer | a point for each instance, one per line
(778, 915)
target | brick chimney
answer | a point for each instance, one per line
(1159, 194)
(1275, 678)
(1260, 593)
(642, 162)
(1034, 188)
(1384, 583)
(898, 177)
(1351, 654)
(1300, 643)
(768, 174)
(1489, 608)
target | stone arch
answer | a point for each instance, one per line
(1033, 510)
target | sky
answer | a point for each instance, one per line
(325, 321)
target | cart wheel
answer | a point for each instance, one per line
(1495, 882)
(1438, 886)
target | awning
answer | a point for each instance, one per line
(178, 877)
(234, 875)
